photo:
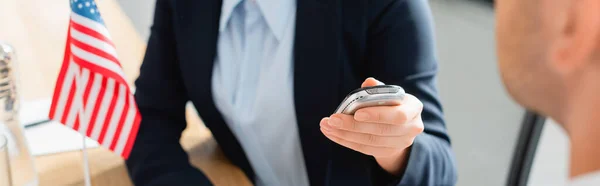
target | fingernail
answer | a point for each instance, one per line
(335, 122)
(361, 116)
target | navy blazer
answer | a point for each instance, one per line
(338, 43)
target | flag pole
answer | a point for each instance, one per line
(86, 166)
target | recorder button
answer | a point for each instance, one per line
(382, 90)
(373, 91)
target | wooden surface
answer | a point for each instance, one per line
(108, 168)
(37, 31)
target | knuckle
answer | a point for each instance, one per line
(353, 125)
(378, 116)
(401, 117)
(419, 129)
(384, 129)
(372, 139)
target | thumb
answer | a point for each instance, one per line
(369, 82)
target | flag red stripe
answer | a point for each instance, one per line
(132, 135)
(95, 68)
(85, 96)
(95, 51)
(76, 125)
(95, 45)
(97, 107)
(111, 110)
(88, 88)
(120, 123)
(69, 102)
(61, 77)
(90, 32)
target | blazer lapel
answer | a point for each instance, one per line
(317, 73)
(197, 31)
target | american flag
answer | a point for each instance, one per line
(91, 95)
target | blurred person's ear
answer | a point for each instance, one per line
(578, 41)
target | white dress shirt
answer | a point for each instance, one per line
(253, 87)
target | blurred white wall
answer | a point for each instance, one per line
(141, 13)
(483, 122)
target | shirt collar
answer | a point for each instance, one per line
(275, 12)
(226, 11)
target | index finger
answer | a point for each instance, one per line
(399, 114)
(347, 123)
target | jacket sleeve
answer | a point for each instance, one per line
(157, 157)
(401, 51)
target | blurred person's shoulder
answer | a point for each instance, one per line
(591, 179)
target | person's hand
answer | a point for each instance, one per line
(384, 132)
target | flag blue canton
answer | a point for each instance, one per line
(86, 8)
